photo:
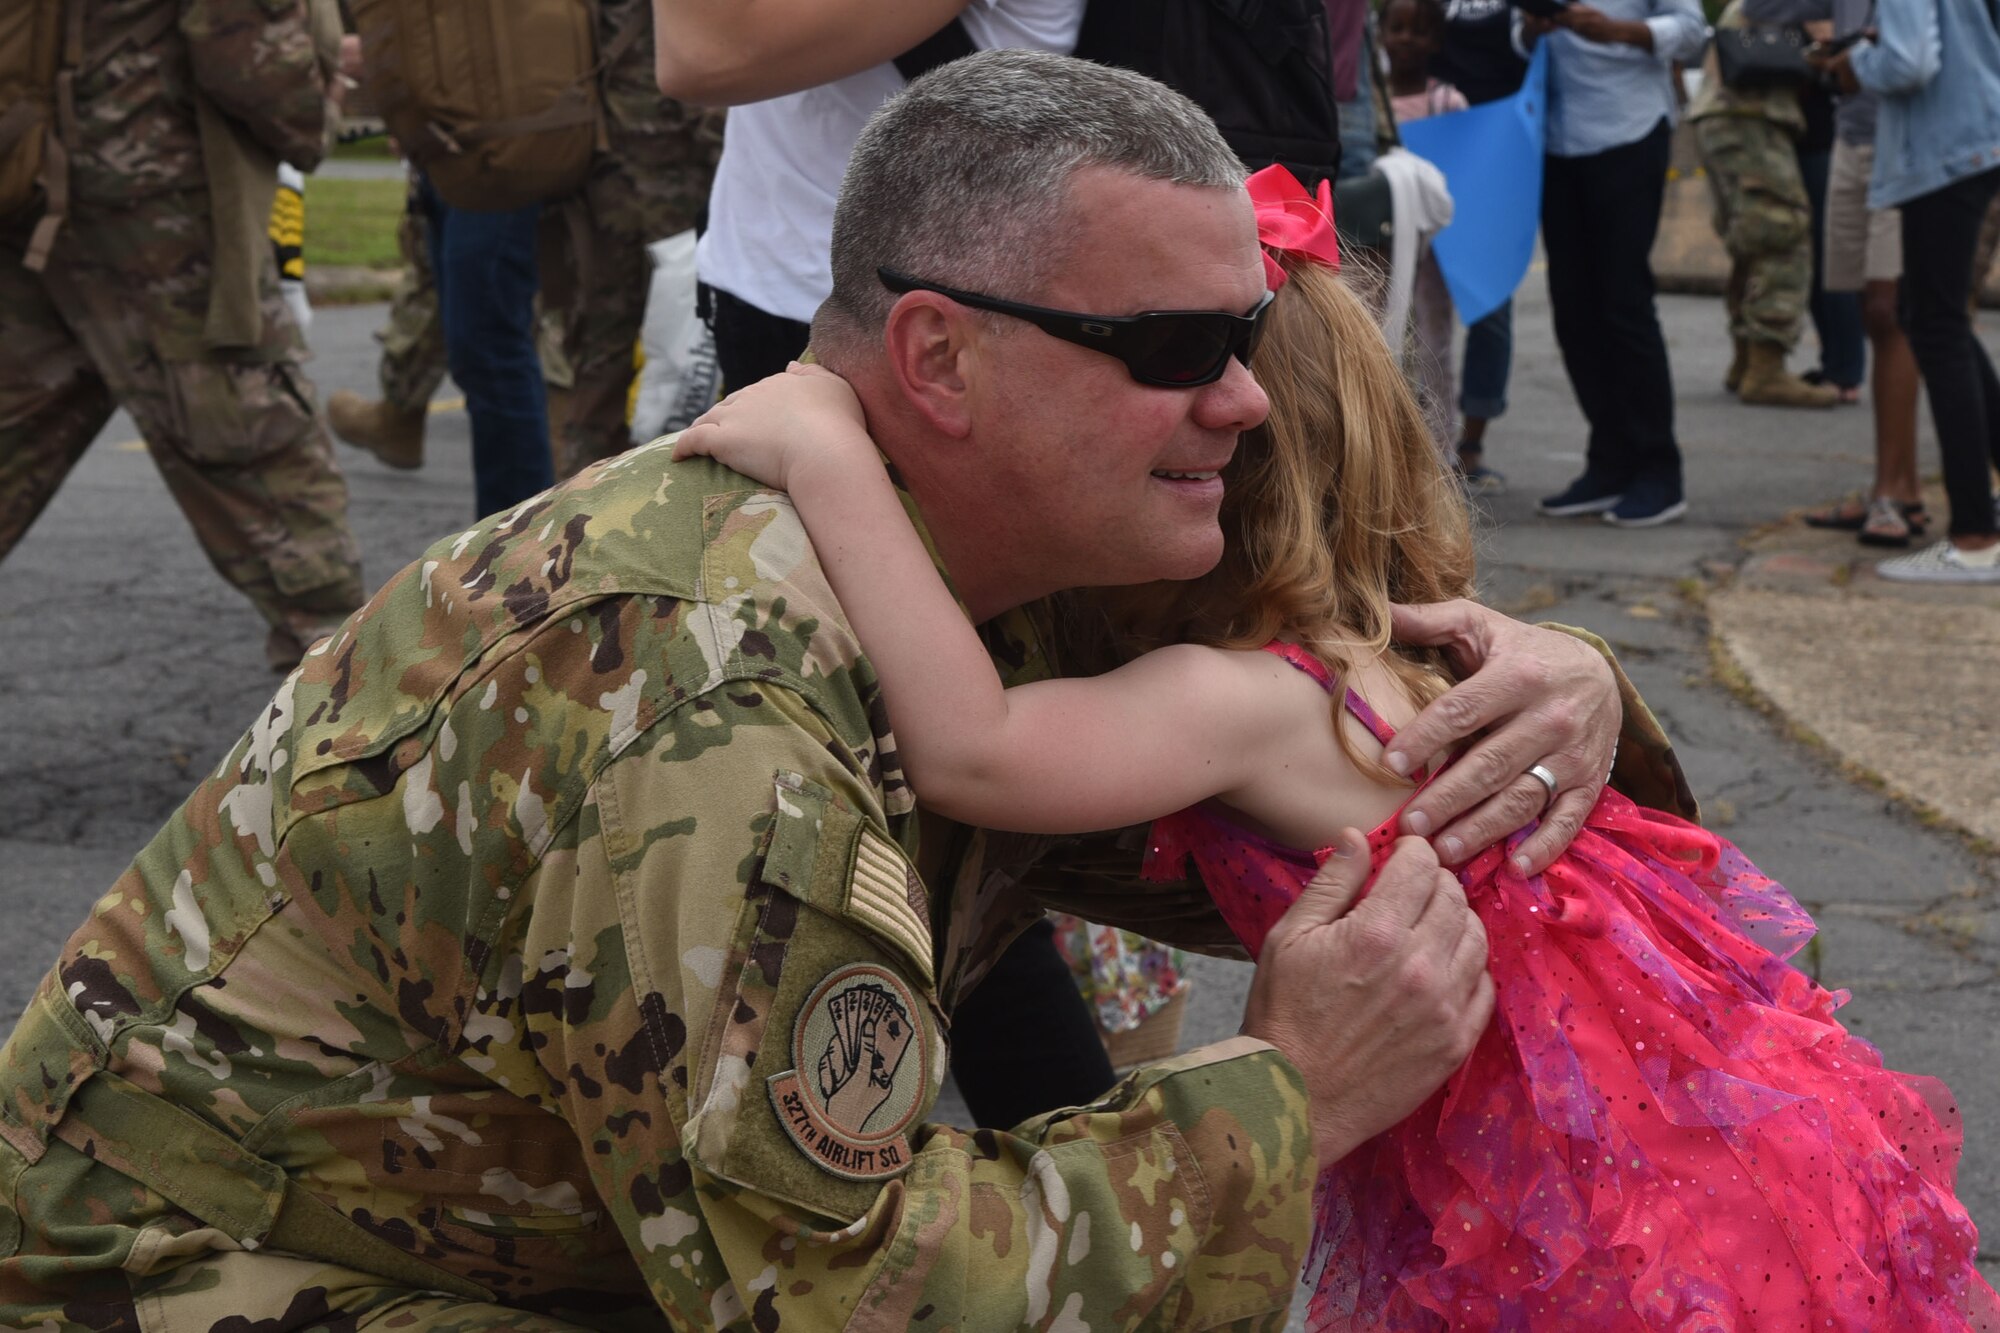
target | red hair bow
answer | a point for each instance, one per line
(1292, 222)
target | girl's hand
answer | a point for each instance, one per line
(767, 430)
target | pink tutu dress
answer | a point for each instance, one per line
(1665, 1127)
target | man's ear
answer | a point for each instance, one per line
(927, 340)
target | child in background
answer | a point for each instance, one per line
(1664, 1127)
(1412, 33)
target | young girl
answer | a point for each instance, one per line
(1664, 1127)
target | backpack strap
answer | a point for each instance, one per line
(940, 48)
(55, 154)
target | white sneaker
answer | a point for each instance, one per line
(1944, 563)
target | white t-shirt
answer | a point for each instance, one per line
(770, 213)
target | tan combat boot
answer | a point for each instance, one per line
(1766, 381)
(395, 437)
(1732, 379)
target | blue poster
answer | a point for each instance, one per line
(1491, 157)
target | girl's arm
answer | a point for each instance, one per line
(1058, 756)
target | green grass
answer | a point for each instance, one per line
(374, 148)
(353, 222)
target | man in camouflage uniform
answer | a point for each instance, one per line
(652, 183)
(118, 317)
(1748, 141)
(564, 947)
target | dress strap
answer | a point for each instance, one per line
(1317, 669)
(1304, 661)
(1368, 718)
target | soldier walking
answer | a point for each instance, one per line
(652, 183)
(1748, 138)
(147, 282)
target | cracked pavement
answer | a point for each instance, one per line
(127, 668)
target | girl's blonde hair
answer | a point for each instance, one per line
(1335, 507)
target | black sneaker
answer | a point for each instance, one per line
(1647, 503)
(1588, 494)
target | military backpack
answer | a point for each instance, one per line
(496, 100)
(41, 44)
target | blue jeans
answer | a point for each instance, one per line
(1489, 359)
(1836, 316)
(1357, 124)
(486, 281)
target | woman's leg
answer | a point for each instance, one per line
(1489, 361)
(1939, 232)
(1893, 390)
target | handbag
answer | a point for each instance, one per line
(1753, 59)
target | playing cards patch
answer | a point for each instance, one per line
(858, 1076)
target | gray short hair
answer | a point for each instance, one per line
(962, 178)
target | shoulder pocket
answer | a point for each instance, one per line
(831, 858)
(831, 1048)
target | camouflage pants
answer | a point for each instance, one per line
(116, 321)
(1765, 222)
(649, 187)
(413, 339)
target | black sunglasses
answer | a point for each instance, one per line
(1174, 349)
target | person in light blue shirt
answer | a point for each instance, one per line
(1936, 66)
(1612, 107)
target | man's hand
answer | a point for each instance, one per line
(1379, 1005)
(1531, 696)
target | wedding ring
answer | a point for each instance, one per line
(1541, 774)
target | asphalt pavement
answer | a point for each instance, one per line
(127, 669)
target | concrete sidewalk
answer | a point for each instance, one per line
(1893, 680)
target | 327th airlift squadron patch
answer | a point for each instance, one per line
(858, 1075)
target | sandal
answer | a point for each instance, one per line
(1851, 513)
(1886, 524)
(1849, 394)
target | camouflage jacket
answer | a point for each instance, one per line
(633, 104)
(557, 923)
(145, 59)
